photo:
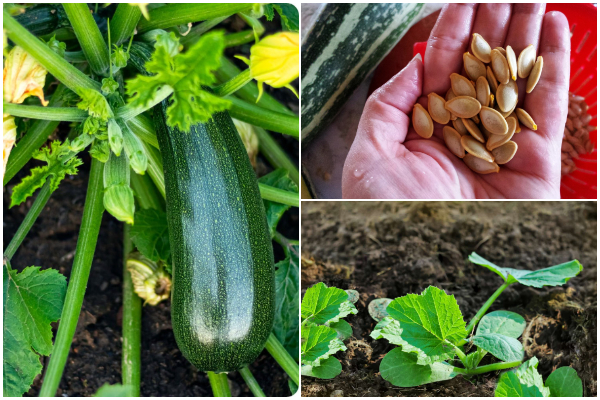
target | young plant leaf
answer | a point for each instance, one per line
(321, 303)
(287, 305)
(343, 329)
(279, 179)
(378, 329)
(150, 234)
(401, 369)
(378, 308)
(564, 382)
(529, 375)
(32, 300)
(329, 369)
(430, 322)
(507, 323)
(353, 295)
(552, 276)
(318, 342)
(503, 347)
(289, 16)
(94, 103)
(510, 385)
(346, 308)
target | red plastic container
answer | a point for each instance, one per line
(581, 183)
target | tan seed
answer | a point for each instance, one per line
(487, 134)
(422, 122)
(460, 127)
(481, 48)
(482, 87)
(498, 140)
(514, 115)
(461, 86)
(473, 129)
(526, 61)
(473, 67)
(501, 50)
(436, 105)
(505, 153)
(452, 140)
(491, 78)
(480, 166)
(511, 58)
(493, 121)
(464, 106)
(476, 148)
(535, 74)
(526, 119)
(450, 95)
(476, 119)
(500, 66)
(505, 114)
(507, 95)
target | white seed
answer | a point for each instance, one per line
(498, 140)
(526, 119)
(473, 67)
(481, 48)
(511, 58)
(482, 87)
(535, 74)
(480, 166)
(461, 86)
(514, 115)
(505, 153)
(526, 61)
(493, 121)
(436, 105)
(505, 114)
(501, 50)
(507, 95)
(473, 129)
(464, 106)
(476, 148)
(491, 78)
(422, 122)
(500, 66)
(452, 140)
(460, 127)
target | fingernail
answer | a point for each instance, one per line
(418, 57)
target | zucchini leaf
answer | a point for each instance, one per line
(503, 347)
(288, 13)
(287, 305)
(279, 179)
(60, 160)
(504, 322)
(343, 329)
(150, 234)
(322, 304)
(525, 381)
(564, 382)
(329, 369)
(318, 343)
(32, 300)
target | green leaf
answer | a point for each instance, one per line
(269, 12)
(556, 275)
(378, 308)
(346, 308)
(507, 323)
(564, 382)
(316, 340)
(94, 103)
(474, 358)
(279, 179)
(343, 329)
(100, 150)
(61, 161)
(289, 16)
(353, 295)
(503, 347)
(377, 330)
(150, 234)
(429, 321)
(287, 305)
(510, 385)
(401, 369)
(32, 300)
(321, 303)
(116, 390)
(329, 369)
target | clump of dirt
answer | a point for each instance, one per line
(390, 249)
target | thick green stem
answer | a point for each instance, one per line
(123, 23)
(461, 355)
(271, 120)
(234, 84)
(239, 38)
(35, 210)
(146, 192)
(89, 36)
(132, 325)
(127, 112)
(493, 367)
(275, 155)
(251, 382)
(283, 358)
(143, 128)
(71, 114)
(278, 195)
(484, 308)
(219, 384)
(155, 168)
(80, 272)
(70, 76)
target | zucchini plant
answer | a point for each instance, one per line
(434, 340)
(173, 128)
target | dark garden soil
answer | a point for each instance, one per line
(391, 249)
(95, 356)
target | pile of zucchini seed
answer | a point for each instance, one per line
(482, 105)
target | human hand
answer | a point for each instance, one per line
(389, 160)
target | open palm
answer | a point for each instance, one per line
(389, 160)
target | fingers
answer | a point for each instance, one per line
(491, 22)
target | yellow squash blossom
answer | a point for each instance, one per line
(143, 8)
(275, 60)
(23, 76)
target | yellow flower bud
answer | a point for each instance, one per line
(23, 77)
(150, 281)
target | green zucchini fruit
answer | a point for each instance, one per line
(43, 19)
(223, 291)
(345, 43)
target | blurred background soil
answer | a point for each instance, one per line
(390, 249)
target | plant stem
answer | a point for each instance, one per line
(283, 358)
(181, 13)
(75, 56)
(143, 128)
(127, 112)
(234, 84)
(483, 309)
(146, 192)
(275, 155)
(251, 382)
(460, 354)
(238, 38)
(35, 210)
(72, 114)
(255, 24)
(155, 168)
(278, 195)
(88, 36)
(197, 31)
(84, 254)
(123, 23)
(70, 76)
(271, 120)
(132, 325)
(493, 367)
(219, 384)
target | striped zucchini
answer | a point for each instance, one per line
(346, 42)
